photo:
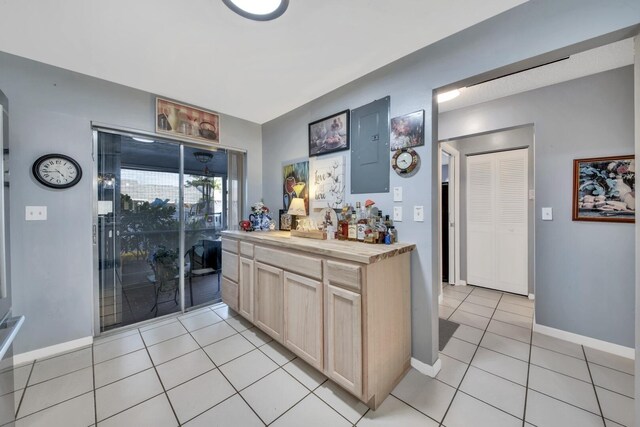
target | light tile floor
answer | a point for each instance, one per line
(212, 368)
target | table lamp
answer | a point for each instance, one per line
(296, 208)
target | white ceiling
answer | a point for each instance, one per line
(200, 52)
(583, 64)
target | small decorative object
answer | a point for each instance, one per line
(287, 222)
(327, 182)
(329, 134)
(194, 123)
(259, 217)
(604, 189)
(406, 162)
(57, 171)
(245, 225)
(407, 131)
(295, 178)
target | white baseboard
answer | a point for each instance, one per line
(461, 283)
(608, 347)
(429, 370)
(42, 353)
(532, 297)
(440, 298)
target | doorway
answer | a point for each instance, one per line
(161, 206)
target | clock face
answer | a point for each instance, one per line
(405, 162)
(57, 171)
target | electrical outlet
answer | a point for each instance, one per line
(397, 194)
(547, 214)
(418, 213)
(35, 213)
(397, 213)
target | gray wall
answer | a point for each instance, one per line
(51, 111)
(584, 273)
(636, 80)
(521, 137)
(534, 28)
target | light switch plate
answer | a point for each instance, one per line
(547, 214)
(397, 194)
(418, 213)
(35, 213)
(397, 213)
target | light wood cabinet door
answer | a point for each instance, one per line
(303, 318)
(343, 334)
(246, 288)
(229, 293)
(269, 300)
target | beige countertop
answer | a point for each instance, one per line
(352, 251)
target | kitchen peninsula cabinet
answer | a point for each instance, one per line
(343, 307)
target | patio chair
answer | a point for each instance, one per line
(205, 258)
(165, 279)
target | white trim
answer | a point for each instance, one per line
(532, 297)
(423, 368)
(461, 283)
(608, 347)
(41, 353)
(440, 298)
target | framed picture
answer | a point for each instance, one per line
(330, 134)
(295, 183)
(328, 178)
(407, 131)
(184, 121)
(604, 189)
(287, 222)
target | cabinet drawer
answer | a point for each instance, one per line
(344, 275)
(311, 267)
(246, 249)
(230, 245)
(229, 293)
(230, 266)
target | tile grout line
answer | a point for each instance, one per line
(526, 388)
(95, 400)
(26, 385)
(159, 379)
(446, 412)
(604, 422)
(237, 392)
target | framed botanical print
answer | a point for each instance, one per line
(604, 189)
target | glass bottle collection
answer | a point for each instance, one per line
(366, 225)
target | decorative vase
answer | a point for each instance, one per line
(260, 222)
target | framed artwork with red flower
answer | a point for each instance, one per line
(604, 189)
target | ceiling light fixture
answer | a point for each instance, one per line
(448, 96)
(258, 10)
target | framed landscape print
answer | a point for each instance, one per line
(330, 134)
(604, 189)
(407, 131)
(184, 121)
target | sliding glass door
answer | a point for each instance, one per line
(148, 191)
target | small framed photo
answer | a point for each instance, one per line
(329, 134)
(407, 131)
(604, 189)
(182, 120)
(286, 221)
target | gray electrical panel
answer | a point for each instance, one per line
(370, 154)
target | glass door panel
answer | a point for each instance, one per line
(138, 229)
(205, 175)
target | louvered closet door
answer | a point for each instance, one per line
(497, 250)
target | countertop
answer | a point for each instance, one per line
(365, 253)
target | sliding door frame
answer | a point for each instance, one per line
(97, 127)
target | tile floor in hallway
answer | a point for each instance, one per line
(211, 368)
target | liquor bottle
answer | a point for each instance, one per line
(352, 233)
(343, 226)
(362, 225)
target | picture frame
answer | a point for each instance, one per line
(184, 121)
(287, 222)
(604, 189)
(329, 134)
(407, 131)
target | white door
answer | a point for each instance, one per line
(497, 247)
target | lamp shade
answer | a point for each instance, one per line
(297, 207)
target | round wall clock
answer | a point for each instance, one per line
(406, 162)
(57, 171)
